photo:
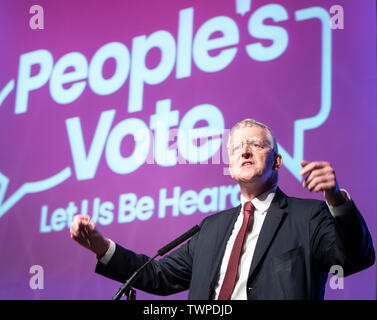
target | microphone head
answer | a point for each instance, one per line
(178, 241)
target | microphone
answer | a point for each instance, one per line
(126, 287)
(178, 241)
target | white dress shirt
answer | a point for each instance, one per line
(261, 204)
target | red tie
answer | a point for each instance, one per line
(234, 259)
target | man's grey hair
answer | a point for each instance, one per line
(253, 123)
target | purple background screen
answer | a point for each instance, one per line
(121, 110)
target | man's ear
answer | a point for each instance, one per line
(230, 172)
(278, 162)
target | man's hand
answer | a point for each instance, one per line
(321, 178)
(85, 233)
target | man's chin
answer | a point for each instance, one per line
(249, 178)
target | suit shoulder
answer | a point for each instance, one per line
(303, 201)
(219, 216)
(305, 205)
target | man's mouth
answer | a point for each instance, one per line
(246, 163)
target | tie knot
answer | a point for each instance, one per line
(248, 206)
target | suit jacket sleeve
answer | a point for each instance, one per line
(169, 275)
(343, 241)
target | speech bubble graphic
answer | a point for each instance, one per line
(292, 162)
(29, 187)
(301, 125)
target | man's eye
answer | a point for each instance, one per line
(257, 145)
(237, 147)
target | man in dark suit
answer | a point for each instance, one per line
(269, 247)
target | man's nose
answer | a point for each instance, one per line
(246, 153)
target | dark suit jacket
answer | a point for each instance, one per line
(299, 242)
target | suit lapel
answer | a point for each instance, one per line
(223, 233)
(274, 216)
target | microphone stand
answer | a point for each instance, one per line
(126, 287)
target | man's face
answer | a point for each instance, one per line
(251, 156)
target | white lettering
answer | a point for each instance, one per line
(258, 30)
(140, 74)
(121, 55)
(184, 43)
(86, 165)
(59, 77)
(114, 158)
(161, 122)
(203, 44)
(187, 133)
(26, 82)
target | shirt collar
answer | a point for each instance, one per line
(263, 201)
